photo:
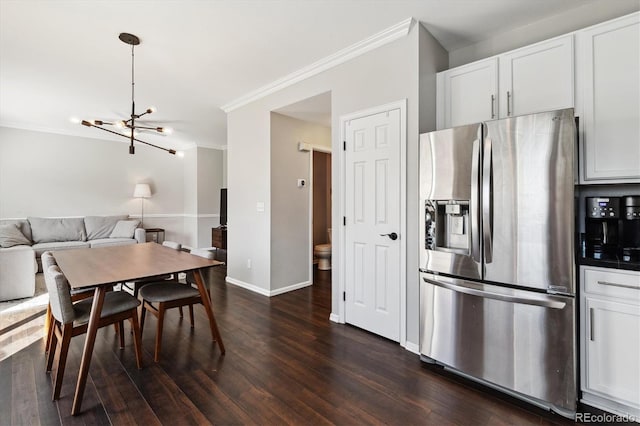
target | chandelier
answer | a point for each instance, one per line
(130, 127)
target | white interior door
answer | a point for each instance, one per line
(372, 207)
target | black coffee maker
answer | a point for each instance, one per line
(630, 229)
(602, 228)
(612, 228)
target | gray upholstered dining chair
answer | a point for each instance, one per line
(135, 286)
(76, 294)
(71, 319)
(167, 295)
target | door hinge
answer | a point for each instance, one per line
(344, 296)
(344, 221)
(344, 145)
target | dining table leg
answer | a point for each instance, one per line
(92, 330)
(204, 295)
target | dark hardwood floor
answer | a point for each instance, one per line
(286, 363)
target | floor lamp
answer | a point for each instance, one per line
(142, 191)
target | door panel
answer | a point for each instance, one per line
(530, 226)
(537, 78)
(521, 340)
(470, 93)
(373, 210)
(449, 173)
(612, 351)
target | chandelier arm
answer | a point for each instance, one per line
(170, 151)
(107, 130)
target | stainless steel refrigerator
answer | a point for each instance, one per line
(497, 255)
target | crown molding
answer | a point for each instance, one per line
(388, 35)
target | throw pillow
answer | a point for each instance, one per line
(124, 229)
(10, 236)
(101, 226)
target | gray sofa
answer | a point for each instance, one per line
(20, 262)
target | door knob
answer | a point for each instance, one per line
(392, 235)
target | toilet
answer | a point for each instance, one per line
(323, 253)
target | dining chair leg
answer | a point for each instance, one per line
(48, 326)
(156, 357)
(180, 310)
(137, 343)
(191, 315)
(67, 331)
(120, 329)
(52, 347)
(143, 313)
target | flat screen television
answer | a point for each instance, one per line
(223, 207)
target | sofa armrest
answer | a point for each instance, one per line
(140, 235)
(17, 275)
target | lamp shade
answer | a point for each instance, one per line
(142, 190)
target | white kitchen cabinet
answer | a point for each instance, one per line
(532, 79)
(608, 62)
(610, 339)
(537, 78)
(468, 94)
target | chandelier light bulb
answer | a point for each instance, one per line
(74, 120)
(119, 124)
(151, 109)
(180, 154)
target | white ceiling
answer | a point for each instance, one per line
(60, 59)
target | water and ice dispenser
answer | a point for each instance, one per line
(447, 226)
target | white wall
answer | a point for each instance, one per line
(566, 22)
(46, 174)
(386, 74)
(209, 180)
(290, 215)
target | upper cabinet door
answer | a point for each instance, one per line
(608, 58)
(537, 78)
(469, 94)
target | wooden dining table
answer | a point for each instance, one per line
(105, 266)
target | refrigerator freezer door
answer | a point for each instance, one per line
(520, 341)
(449, 199)
(528, 204)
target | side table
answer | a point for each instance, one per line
(155, 234)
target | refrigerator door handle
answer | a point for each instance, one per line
(475, 202)
(486, 201)
(546, 303)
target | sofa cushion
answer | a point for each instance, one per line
(101, 226)
(124, 229)
(45, 230)
(23, 224)
(40, 248)
(10, 236)
(104, 242)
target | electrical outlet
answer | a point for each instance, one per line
(302, 183)
(248, 263)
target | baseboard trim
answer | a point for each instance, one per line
(247, 286)
(412, 347)
(264, 292)
(334, 318)
(290, 288)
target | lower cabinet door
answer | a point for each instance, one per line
(612, 346)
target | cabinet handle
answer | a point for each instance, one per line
(618, 285)
(508, 103)
(591, 324)
(493, 102)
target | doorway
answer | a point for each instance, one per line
(321, 208)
